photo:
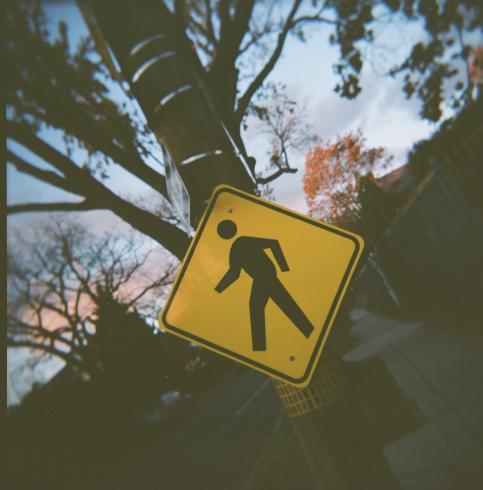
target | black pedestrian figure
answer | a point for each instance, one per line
(247, 253)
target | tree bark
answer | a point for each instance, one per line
(82, 183)
(167, 78)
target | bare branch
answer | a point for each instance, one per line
(51, 206)
(174, 239)
(166, 279)
(316, 18)
(306, 19)
(49, 177)
(69, 359)
(244, 100)
(130, 160)
(69, 280)
(209, 24)
(276, 175)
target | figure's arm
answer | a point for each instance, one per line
(278, 254)
(229, 278)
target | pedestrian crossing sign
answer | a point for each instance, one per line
(261, 284)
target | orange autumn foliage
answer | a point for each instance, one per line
(475, 67)
(332, 177)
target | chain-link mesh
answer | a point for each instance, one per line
(327, 386)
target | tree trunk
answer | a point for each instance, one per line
(167, 79)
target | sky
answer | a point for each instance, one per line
(381, 112)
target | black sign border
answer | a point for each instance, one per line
(235, 355)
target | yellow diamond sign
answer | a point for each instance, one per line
(261, 284)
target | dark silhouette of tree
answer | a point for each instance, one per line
(378, 209)
(53, 86)
(456, 147)
(229, 34)
(227, 50)
(61, 284)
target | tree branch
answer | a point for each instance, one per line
(276, 175)
(223, 74)
(244, 100)
(163, 281)
(49, 177)
(130, 160)
(315, 18)
(82, 183)
(239, 25)
(209, 24)
(51, 206)
(65, 356)
(223, 11)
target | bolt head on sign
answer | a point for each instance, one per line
(261, 284)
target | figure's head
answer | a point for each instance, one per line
(227, 229)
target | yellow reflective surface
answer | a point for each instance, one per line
(321, 260)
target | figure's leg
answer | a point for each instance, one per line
(288, 305)
(258, 301)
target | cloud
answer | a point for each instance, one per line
(381, 111)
